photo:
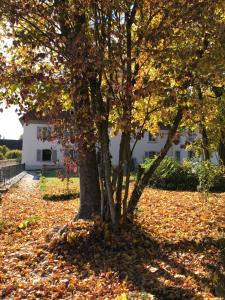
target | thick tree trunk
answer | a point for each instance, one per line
(90, 196)
(143, 182)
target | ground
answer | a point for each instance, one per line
(175, 249)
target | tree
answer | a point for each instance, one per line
(120, 67)
(42, 44)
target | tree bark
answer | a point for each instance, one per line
(221, 148)
(139, 187)
(205, 143)
(90, 196)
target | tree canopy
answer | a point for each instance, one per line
(118, 67)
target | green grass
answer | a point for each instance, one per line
(53, 188)
(29, 222)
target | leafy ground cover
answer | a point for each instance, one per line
(175, 249)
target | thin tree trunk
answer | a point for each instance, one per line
(107, 168)
(127, 181)
(139, 187)
(120, 171)
(221, 148)
(205, 143)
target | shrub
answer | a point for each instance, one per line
(1, 156)
(207, 174)
(3, 149)
(13, 154)
(171, 175)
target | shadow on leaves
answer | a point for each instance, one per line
(148, 266)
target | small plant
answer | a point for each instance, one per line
(207, 174)
(42, 183)
(29, 221)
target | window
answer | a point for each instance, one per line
(150, 154)
(43, 133)
(47, 155)
(70, 153)
(152, 138)
(73, 154)
(191, 136)
(190, 154)
(177, 156)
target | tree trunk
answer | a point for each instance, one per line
(205, 143)
(107, 170)
(221, 148)
(143, 182)
(90, 196)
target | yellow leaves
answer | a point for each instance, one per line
(70, 237)
(29, 221)
(122, 297)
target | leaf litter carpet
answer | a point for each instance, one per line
(174, 250)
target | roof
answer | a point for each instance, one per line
(43, 117)
(12, 144)
(31, 116)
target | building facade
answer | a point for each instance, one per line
(38, 151)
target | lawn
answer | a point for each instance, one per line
(57, 188)
(175, 249)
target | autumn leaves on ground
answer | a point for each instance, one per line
(175, 250)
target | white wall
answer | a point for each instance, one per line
(31, 144)
(144, 145)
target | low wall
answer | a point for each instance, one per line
(8, 162)
(10, 171)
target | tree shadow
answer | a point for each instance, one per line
(61, 197)
(146, 265)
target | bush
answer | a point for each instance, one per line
(3, 149)
(208, 174)
(1, 156)
(171, 175)
(13, 154)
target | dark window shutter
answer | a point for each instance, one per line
(146, 154)
(38, 133)
(54, 155)
(39, 155)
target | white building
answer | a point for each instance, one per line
(37, 151)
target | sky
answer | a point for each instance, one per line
(10, 127)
